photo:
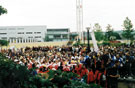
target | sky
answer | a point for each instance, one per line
(62, 13)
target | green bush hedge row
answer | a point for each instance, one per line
(101, 44)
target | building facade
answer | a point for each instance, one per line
(23, 34)
(59, 34)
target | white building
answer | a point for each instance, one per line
(23, 34)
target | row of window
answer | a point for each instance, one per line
(56, 30)
(3, 33)
(22, 33)
(59, 36)
(35, 37)
(19, 37)
(29, 32)
(11, 28)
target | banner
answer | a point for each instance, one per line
(94, 41)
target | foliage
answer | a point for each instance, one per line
(117, 44)
(117, 35)
(112, 44)
(98, 32)
(128, 29)
(4, 43)
(105, 43)
(109, 32)
(77, 43)
(14, 75)
(67, 83)
(2, 10)
(79, 84)
(70, 42)
(99, 36)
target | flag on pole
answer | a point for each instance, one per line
(94, 41)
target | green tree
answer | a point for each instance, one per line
(98, 32)
(2, 10)
(4, 42)
(109, 32)
(128, 29)
(117, 35)
(46, 38)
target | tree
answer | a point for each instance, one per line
(109, 32)
(117, 35)
(128, 29)
(4, 42)
(2, 10)
(98, 32)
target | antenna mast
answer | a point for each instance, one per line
(79, 18)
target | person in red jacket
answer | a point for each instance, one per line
(78, 69)
(90, 77)
(101, 78)
(84, 73)
(96, 74)
(66, 68)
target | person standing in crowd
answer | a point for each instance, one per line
(90, 77)
(113, 76)
(91, 66)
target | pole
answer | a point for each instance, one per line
(84, 36)
(88, 47)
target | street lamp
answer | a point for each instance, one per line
(84, 37)
(88, 47)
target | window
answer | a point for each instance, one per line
(57, 30)
(37, 32)
(20, 28)
(30, 37)
(12, 38)
(4, 38)
(65, 36)
(57, 36)
(3, 33)
(11, 28)
(28, 32)
(37, 36)
(20, 32)
(3, 29)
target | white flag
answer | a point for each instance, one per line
(94, 41)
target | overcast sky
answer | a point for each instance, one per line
(62, 13)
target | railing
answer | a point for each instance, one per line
(126, 82)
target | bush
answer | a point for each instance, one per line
(14, 75)
(70, 43)
(105, 43)
(77, 43)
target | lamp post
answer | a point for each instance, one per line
(84, 36)
(88, 47)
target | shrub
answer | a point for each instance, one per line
(105, 43)
(14, 75)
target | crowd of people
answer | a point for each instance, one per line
(103, 67)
